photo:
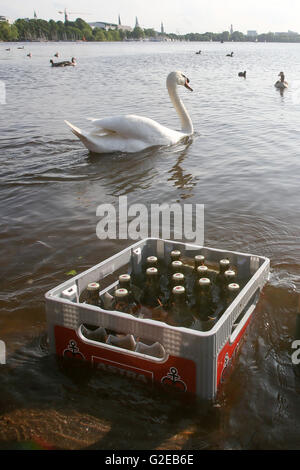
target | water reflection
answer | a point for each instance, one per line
(181, 178)
(122, 174)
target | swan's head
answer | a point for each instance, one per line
(178, 78)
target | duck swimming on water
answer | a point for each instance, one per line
(242, 74)
(281, 83)
(230, 55)
(64, 63)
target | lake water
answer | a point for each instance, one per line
(242, 163)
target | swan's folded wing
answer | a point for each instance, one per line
(136, 127)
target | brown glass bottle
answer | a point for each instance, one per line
(178, 279)
(122, 300)
(180, 313)
(91, 294)
(203, 298)
(230, 276)
(175, 255)
(152, 262)
(133, 292)
(176, 267)
(232, 291)
(199, 260)
(151, 295)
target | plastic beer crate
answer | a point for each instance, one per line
(193, 361)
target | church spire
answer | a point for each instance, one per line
(119, 20)
(137, 22)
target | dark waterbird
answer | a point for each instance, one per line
(64, 63)
(242, 74)
(230, 55)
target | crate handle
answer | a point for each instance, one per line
(239, 326)
(122, 350)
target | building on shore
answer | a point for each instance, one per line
(107, 26)
(123, 27)
(4, 18)
(103, 25)
(284, 33)
(252, 33)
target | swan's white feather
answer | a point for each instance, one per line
(140, 128)
(107, 143)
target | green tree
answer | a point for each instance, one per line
(53, 31)
(237, 36)
(99, 35)
(73, 34)
(225, 36)
(138, 33)
(150, 33)
(8, 32)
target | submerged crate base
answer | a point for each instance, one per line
(194, 361)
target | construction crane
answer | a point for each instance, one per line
(67, 13)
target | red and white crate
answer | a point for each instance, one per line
(194, 361)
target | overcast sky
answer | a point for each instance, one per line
(178, 16)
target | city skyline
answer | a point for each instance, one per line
(177, 17)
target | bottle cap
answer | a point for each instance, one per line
(93, 286)
(199, 258)
(175, 254)
(229, 274)
(233, 287)
(176, 264)
(224, 262)
(202, 269)
(178, 277)
(151, 271)
(151, 259)
(178, 290)
(124, 277)
(121, 293)
(204, 281)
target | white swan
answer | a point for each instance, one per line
(281, 83)
(132, 133)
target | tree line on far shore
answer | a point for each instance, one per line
(42, 30)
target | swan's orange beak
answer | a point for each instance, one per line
(187, 85)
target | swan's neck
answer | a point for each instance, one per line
(186, 123)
